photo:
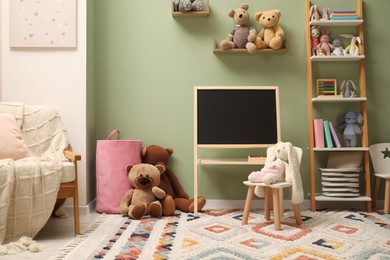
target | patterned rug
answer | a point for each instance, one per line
(218, 234)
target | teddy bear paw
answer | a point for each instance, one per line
(138, 211)
(155, 209)
(201, 201)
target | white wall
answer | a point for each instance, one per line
(55, 77)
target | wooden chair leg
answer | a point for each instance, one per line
(376, 191)
(297, 214)
(387, 197)
(248, 202)
(297, 211)
(267, 203)
(281, 203)
(275, 200)
(76, 213)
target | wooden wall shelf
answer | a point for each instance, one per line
(203, 13)
(219, 50)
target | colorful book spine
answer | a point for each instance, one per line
(343, 14)
(336, 140)
(328, 137)
(319, 133)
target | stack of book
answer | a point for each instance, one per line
(325, 134)
(338, 15)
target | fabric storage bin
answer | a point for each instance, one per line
(340, 182)
(112, 183)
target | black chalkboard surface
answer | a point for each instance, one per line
(237, 115)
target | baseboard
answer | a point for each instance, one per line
(84, 210)
(239, 204)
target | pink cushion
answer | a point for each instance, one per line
(11, 140)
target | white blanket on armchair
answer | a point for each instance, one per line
(29, 186)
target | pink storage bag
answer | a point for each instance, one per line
(112, 156)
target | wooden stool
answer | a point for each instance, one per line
(277, 199)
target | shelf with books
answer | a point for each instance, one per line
(325, 141)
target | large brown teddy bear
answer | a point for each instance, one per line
(176, 197)
(243, 35)
(144, 197)
(271, 36)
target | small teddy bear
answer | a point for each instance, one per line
(325, 44)
(271, 172)
(144, 197)
(348, 123)
(271, 36)
(243, 36)
(187, 5)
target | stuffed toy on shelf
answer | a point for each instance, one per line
(348, 89)
(348, 123)
(325, 47)
(352, 48)
(243, 35)
(187, 5)
(271, 36)
(176, 197)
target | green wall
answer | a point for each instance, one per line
(146, 64)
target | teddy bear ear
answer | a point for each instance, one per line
(128, 167)
(244, 6)
(170, 151)
(258, 15)
(161, 167)
(278, 13)
(143, 152)
(231, 13)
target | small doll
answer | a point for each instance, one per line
(315, 32)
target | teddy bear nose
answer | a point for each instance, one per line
(269, 19)
(240, 16)
(144, 181)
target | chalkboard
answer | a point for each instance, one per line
(237, 116)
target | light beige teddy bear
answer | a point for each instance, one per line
(271, 36)
(144, 197)
(243, 35)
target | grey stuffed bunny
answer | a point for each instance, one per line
(187, 5)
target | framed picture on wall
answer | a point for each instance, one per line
(42, 23)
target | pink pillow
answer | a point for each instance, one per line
(11, 140)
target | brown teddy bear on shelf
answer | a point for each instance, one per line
(144, 197)
(271, 36)
(176, 197)
(243, 35)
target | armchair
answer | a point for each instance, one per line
(47, 170)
